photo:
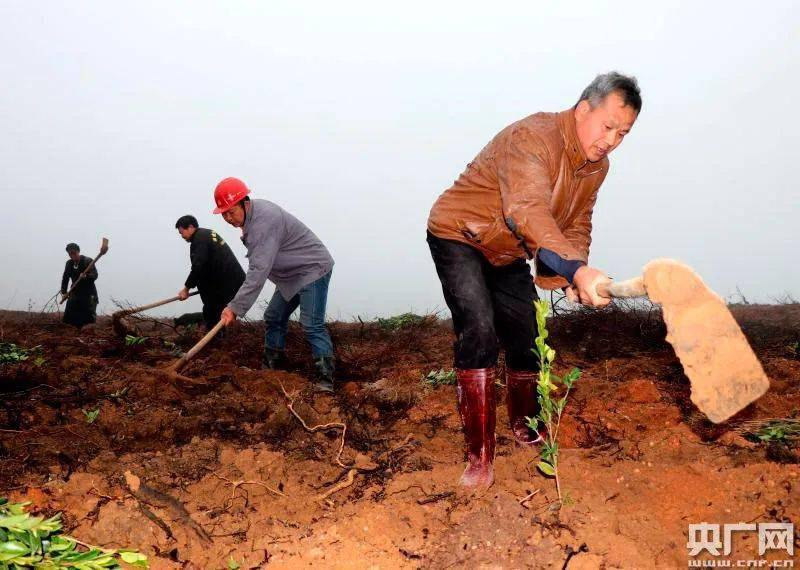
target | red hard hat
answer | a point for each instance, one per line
(228, 193)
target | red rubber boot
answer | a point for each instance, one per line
(521, 402)
(476, 404)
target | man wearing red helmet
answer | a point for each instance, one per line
(282, 249)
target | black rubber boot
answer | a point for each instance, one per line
(325, 367)
(273, 359)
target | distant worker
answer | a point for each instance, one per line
(282, 249)
(215, 270)
(81, 306)
(529, 194)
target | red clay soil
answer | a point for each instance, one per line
(196, 476)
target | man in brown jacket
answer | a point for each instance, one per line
(529, 194)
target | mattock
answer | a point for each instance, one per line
(172, 372)
(724, 372)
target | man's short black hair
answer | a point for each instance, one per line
(185, 221)
(73, 247)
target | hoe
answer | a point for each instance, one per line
(724, 372)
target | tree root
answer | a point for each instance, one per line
(353, 470)
(348, 481)
(524, 500)
(236, 484)
(321, 427)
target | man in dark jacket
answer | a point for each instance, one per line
(82, 302)
(215, 270)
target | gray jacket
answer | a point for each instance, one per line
(279, 248)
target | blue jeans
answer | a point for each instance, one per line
(312, 300)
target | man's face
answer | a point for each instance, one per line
(235, 216)
(601, 130)
(74, 255)
(187, 233)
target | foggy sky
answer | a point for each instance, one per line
(117, 118)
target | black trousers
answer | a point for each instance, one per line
(212, 307)
(81, 308)
(491, 306)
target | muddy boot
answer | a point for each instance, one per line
(273, 359)
(325, 367)
(521, 402)
(476, 404)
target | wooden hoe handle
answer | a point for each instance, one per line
(198, 347)
(617, 289)
(133, 310)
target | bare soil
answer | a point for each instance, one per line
(195, 476)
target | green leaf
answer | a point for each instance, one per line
(35, 543)
(13, 547)
(60, 544)
(547, 452)
(546, 468)
(571, 377)
(19, 561)
(87, 555)
(134, 558)
(20, 522)
(232, 564)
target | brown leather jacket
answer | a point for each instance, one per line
(530, 187)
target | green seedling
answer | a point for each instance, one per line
(400, 321)
(782, 431)
(131, 340)
(551, 405)
(91, 415)
(232, 564)
(28, 541)
(11, 353)
(441, 377)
